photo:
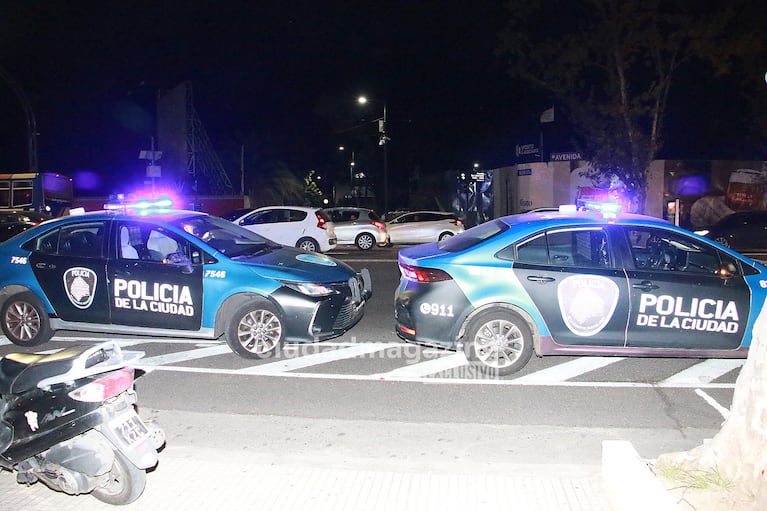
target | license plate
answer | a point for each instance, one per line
(129, 428)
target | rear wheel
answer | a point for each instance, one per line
(365, 241)
(126, 483)
(24, 320)
(308, 245)
(256, 330)
(498, 342)
(445, 235)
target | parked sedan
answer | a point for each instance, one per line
(309, 229)
(357, 226)
(743, 231)
(14, 222)
(423, 227)
(169, 274)
(578, 284)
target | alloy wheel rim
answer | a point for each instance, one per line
(23, 321)
(498, 343)
(259, 331)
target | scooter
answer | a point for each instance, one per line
(68, 419)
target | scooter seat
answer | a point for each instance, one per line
(20, 372)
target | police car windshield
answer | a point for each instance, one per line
(225, 237)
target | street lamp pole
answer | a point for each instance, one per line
(383, 140)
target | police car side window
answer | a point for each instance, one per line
(658, 249)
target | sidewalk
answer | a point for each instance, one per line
(192, 476)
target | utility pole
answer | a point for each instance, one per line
(29, 115)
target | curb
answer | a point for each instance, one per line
(631, 485)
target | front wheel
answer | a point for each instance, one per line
(498, 342)
(126, 483)
(256, 330)
(308, 245)
(24, 320)
(365, 241)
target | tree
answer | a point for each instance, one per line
(609, 66)
(737, 452)
(312, 192)
(276, 185)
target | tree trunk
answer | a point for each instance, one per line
(738, 452)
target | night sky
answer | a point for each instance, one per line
(281, 79)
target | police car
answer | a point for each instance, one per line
(173, 273)
(578, 283)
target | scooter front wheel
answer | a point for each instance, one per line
(126, 483)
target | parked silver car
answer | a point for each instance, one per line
(357, 226)
(423, 227)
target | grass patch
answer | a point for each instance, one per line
(710, 479)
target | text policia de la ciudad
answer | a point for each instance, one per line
(702, 314)
(153, 297)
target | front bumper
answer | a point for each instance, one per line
(311, 319)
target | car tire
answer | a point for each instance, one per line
(24, 320)
(498, 342)
(308, 245)
(256, 330)
(445, 235)
(365, 241)
(722, 241)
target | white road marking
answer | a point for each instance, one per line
(556, 376)
(421, 369)
(355, 350)
(566, 371)
(713, 402)
(183, 356)
(704, 372)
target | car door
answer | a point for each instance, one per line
(149, 285)
(271, 224)
(69, 263)
(679, 301)
(577, 285)
(408, 228)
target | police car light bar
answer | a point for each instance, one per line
(608, 209)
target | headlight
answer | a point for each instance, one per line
(703, 232)
(310, 288)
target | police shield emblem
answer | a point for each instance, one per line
(80, 285)
(587, 303)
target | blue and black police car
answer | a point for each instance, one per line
(173, 273)
(576, 283)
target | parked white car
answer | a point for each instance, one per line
(423, 227)
(358, 226)
(302, 227)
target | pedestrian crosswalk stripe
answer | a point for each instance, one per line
(567, 370)
(704, 372)
(323, 357)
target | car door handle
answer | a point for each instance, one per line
(645, 285)
(540, 279)
(45, 266)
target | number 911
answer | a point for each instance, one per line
(437, 309)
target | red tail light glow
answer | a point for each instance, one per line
(320, 221)
(457, 222)
(378, 225)
(106, 387)
(423, 274)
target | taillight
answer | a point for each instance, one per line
(378, 225)
(320, 221)
(105, 387)
(423, 274)
(457, 222)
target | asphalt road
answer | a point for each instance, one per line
(371, 394)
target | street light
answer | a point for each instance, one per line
(351, 171)
(382, 141)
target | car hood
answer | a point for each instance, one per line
(287, 263)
